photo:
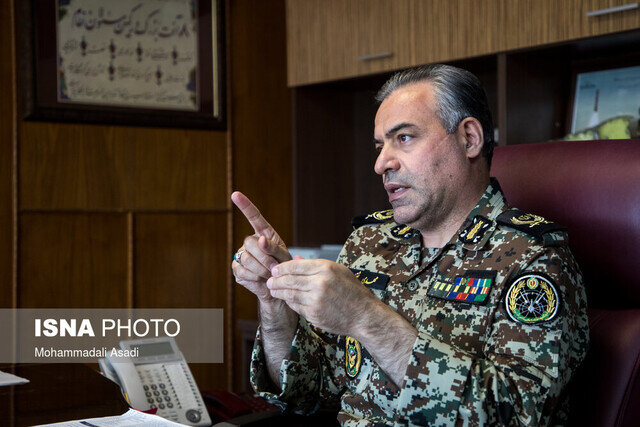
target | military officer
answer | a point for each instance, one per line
(450, 308)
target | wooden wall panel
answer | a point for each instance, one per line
(181, 261)
(260, 112)
(177, 169)
(73, 166)
(7, 141)
(73, 260)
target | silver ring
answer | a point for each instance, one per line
(237, 255)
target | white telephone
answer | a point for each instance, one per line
(158, 377)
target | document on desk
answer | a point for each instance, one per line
(10, 379)
(131, 418)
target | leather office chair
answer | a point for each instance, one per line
(593, 188)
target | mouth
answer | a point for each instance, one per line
(395, 191)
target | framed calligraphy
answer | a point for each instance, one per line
(148, 62)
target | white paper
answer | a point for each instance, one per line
(128, 419)
(10, 379)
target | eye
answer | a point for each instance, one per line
(378, 148)
(404, 137)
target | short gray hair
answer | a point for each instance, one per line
(459, 94)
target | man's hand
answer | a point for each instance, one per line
(325, 293)
(262, 251)
(330, 297)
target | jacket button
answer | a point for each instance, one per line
(412, 285)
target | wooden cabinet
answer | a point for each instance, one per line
(530, 23)
(336, 39)
(610, 22)
(453, 29)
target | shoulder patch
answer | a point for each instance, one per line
(403, 232)
(475, 231)
(534, 225)
(373, 218)
(532, 298)
(353, 357)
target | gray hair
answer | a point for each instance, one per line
(459, 94)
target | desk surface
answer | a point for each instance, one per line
(58, 392)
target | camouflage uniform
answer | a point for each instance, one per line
(477, 359)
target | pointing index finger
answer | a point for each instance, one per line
(253, 215)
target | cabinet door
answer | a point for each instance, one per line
(453, 29)
(610, 22)
(333, 39)
(538, 22)
(385, 35)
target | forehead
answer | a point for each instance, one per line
(414, 103)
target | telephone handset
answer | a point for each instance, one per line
(158, 377)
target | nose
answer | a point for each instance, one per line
(386, 161)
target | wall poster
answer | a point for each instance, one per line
(607, 97)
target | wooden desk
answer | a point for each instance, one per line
(58, 392)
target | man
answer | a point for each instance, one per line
(455, 307)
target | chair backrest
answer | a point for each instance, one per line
(593, 188)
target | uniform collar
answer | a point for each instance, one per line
(482, 217)
(480, 224)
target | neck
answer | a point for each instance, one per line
(439, 235)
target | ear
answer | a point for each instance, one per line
(470, 132)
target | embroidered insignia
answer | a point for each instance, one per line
(474, 231)
(529, 220)
(472, 287)
(353, 357)
(373, 218)
(370, 279)
(402, 232)
(382, 215)
(534, 225)
(532, 298)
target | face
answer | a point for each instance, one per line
(421, 165)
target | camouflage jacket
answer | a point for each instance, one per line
(501, 317)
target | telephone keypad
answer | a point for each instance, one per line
(168, 391)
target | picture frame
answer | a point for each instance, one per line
(604, 92)
(151, 64)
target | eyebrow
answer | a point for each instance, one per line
(394, 130)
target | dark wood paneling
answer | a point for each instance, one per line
(73, 166)
(181, 261)
(176, 168)
(538, 90)
(335, 180)
(7, 140)
(72, 260)
(260, 126)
